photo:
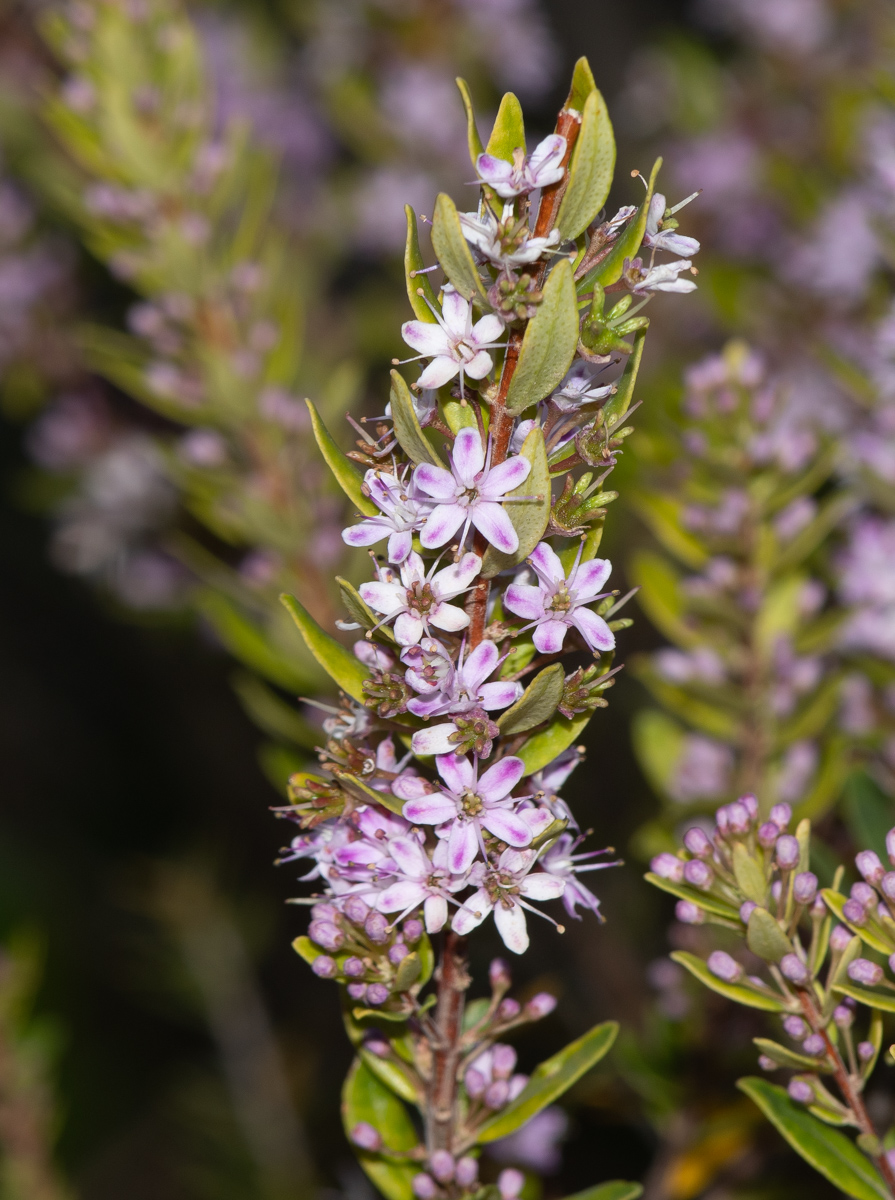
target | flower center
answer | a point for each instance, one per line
(468, 497)
(472, 804)
(421, 599)
(562, 601)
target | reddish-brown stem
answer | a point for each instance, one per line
(847, 1086)
(441, 1106)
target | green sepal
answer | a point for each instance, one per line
(476, 146)
(339, 663)
(702, 899)
(360, 611)
(583, 83)
(784, 1057)
(346, 474)
(765, 938)
(541, 748)
(305, 948)
(413, 261)
(549, 343)
(881, 1001)
(835, 902)
(366, 1098)
(620, 401)
(508, 133)
(550, 1080)
(733, 991)
(749, 874)
(610, 269)
(408, 430)
(590, 170)
(536, 704)
(529, 517)
(617, 1189)
(453, 250)
(830, 1153)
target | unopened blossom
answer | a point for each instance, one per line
(658, 239)
(453, 342)
(525, 173)
(470, 493)
(577, 388)
(420, 880)
(467, 805)
(505, 888)
(420, 600)
(400, 516)
(562, 862)
(559, 602)
(661, 278)
(508, 241)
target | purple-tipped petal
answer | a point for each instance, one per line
(499, 695)
(428, 705)
(383, 597)
(593, 629)
(499, 780)
(589, 579)
(549, 636)
(399, 546)
(480, 664)
(425, 337)
(547, 153)
(491, 521)
(468, 456)
(400, 896)
(456, 771)
(463, 845)
(408, 629)
(439, 372)
(433, 809)
(409, 856)
(441, 524)
(546, 563)
(493, 170)
(507, 826)
(434, 740)
(505, 477)
(455, 311)
(435, 482)
(365, 534)
(524, 600)
(457, 577)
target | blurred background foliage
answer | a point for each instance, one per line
(201, 223)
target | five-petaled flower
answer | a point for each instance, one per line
(467, 805)
(420, 880)
(420, 600)
(452, 342)
(504, 888)
(508, 241)
(539, 169)
(558, 602)
(471, 493)
(400, 516)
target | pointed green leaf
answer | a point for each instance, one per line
(365, 794)
(765, 937)
(733, 991)
(393, 1076)
(830, 1153)
(541, 748)
(835, 902)
(882, 1001)
(339, 663)
(359, 610)
(413, 265)
(784, 1057)
(408, 430)
(347, 475)
(620, 401)
(590, 170)
(453, 250)
(409, 971)
(536, 704)
(583, 84)
(618, 1189)
(550, 1080)
(710, 903)
(508, 133)
(549, 343)
(366, 1098)
(529, 517)
(457, 415)
(610, 269)
(472, 134)
(749, 874)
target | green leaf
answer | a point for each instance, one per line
(389, 1073)
(541, 748)
(247, 642)
(749, 874)
(882, 1001)
(366, 1098)
(549, 343)
(416, 282)
(474, 1012)
(610, 269)
(472, 134)
(365, 794)
(784, 1057)
(709, 903)
(550, 1080)
(830, 1153)
(868, 812)
(453, 250)
(619, 403)
(765, 937)
(618, 1189)
(344, 470)
(835, 902)
(408, 430)
(273, 714)
(408, 972)
(733, 991)
(457, 415)
(658, 741)
(305, 948)
(583, 84)
(508, 133)
(339, 663)
(663, 515)
(590, 170)
(662, 599)
(536, 704)
(359, 610)
(529, 517)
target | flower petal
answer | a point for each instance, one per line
(511, 926)
(487, 329)
(399, 546)
(507, 826)
(471, 913)
(588, 580)
(425, 337)
(468, 457)
(434, 740)
(441, 524)
(463, 845)
(504, 477)
(435, 911)
(548, 637)
(479, 365)
(433, 703)
(546, 157)
(365, 534)
(408, 629)
(448, 617)
(524, 600)
(410, 787)
(431, 810)
(593, 629)
(493, 170)
(546, 563)
(435, 482)
(480, 663)
(439, 371)
(499, 780)
(499, 695)
(383, 597)
(456, 771)
(410, 857)
(494, 524)
(456, 577)
(455, 311)
(541, 886)
(400, 896)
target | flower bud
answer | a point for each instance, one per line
(541, 1005)
(787, 851)
(499, 975)
(357, 991)
(839, 938)
(781, 815)
(844, 1017)
(412, 930)
(377, 993)
(814, 1045)
(353, 967)
(503, 1061)
(355, 910)
(882, 911)
(475, 1082)
(724, 967)
(365, 1136)
(864, 894)
(804, 887)
(668, 866)
(890, 846)
(325, 967)
(509, 1009)
(441, 1166)
(517, 1085)
(855, 912)
(776, 890)
(801, 1091)
(397, 953)
(697, 842)
(750, 803)
(738, 818)
(747, 908)
(510, 1183)
(766, 1064)
(689, 913)
(892, 963)
(722, 819)
(818, 910)
(377, 1045)
(326, 935)
(767, 834)
(699, 874)
(467, 1171)
(887, 885)
(795, 1027)
(424, 1187)
(376, 928)
(497, 1094)
(869, 865)
(325, 912)
(862, 970)
(866, 1051)
(793, 969)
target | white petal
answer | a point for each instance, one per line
(511, 926)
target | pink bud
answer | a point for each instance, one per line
(397, 953)
(509, 1009)
(412, 930)
(768, 834)
(862, 970)
(722, 819)
(892, 963)
(541, 1005)
(467, 1171)
(750, 803)
(804, 887)
(667, 866)
(767, 1064)
(793, 969)
(864, 894)
(776, 890)
(499, 975)
(801, 1091)
(517, 1084)
(441, 1166)
(325, 912)
(699, 874)
(781, 815)
(814, 1045)
(510, 1183)
(869, 865)
(357, 991)
(475, 1082)
(840, 938)
(326, 935)
(497, 1094)
(844, 1017)
(355, 910)
(747, 908)
(738, 818)
(866, 1051)
(365, 1136)
(795, 1027)
(377, 993)
(503, 1061)
(887, 885)
(724, 967)
(376, 928)
(377, 1045)
(424, 1187)
(688, 913)
(325, 967)
(353, 967)
(890, 846)
(855, 912)
(697, 842)
(787, 851)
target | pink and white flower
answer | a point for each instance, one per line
(558, 603)
(400, 516)
(538, 170)
(577, 388)
(453, 343)
(661, 278)
(495, 240)
(461, 692)
(657, 239)
(505, 888)
(466, 805)
(421, 600)
(561, 861)
(470, 493)
(420, 880)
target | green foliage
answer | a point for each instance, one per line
(508, 133)
(452, 250)
(733, 991)
(407, 427)
(549, 343)
(616, 1190)
(416, 282)
(590, 171)
(344, 471)
(339, 663)
(365, 1098)
(537, 703)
